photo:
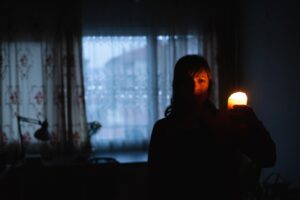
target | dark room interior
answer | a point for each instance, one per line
(250, 45)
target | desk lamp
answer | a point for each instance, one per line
(40, 134)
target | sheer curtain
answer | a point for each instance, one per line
(41, 78)
(128, 83)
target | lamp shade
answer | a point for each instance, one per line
(42, 133)
(93, 127)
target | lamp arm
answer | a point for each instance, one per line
(29, 120)
(20, 118)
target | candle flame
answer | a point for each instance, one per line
(237, 98)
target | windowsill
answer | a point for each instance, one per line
(124, 157)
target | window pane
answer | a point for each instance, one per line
(116, 84)
(128, 85)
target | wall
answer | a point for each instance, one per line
(268, 54)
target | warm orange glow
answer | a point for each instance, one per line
(237, 98)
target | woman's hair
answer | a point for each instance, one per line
(183, 98)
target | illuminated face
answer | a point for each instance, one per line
(201, 83)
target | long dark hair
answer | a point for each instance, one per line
(183, 98)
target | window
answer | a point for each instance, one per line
(128, 84)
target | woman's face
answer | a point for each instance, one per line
(201, 84)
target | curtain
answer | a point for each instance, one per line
(41, 78)
(210, 52)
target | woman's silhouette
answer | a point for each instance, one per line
(196, 150)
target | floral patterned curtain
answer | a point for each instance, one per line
(41, 78)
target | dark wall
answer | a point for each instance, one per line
(140, 16)
(269, 58)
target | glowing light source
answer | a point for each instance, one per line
(237, 98)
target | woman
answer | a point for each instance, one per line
(195, 151)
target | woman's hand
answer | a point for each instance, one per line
(237, 122)
(243, 114)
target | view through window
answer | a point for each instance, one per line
(128, 85)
